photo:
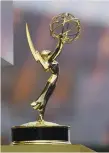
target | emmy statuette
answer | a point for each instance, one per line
(65, 28)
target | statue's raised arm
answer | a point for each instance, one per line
(63, 29)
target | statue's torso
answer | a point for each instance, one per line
(54, 67)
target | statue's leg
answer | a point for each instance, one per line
(46, 98)
(41, 102)
(38, 104)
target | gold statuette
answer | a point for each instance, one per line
(63, 22)
(65, 28)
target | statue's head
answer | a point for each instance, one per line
(46, 54)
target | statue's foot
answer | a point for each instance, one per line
(33, 104)
(40, 107)
(37, 105)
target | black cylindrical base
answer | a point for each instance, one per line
(33, 135)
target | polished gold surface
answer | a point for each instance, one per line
(45, 124)
(61, 28)
(40, 142)
(38, 124)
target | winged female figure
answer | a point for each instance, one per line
(48, 58)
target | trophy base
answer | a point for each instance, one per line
(37, 133)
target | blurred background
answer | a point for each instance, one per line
(81, 98)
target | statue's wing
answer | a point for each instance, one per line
(34, 52)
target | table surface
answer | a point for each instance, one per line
(45, 148)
